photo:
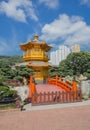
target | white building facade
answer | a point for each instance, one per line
(60, 54)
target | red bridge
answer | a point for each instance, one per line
(56, 90)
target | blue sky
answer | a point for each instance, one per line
(57, 22)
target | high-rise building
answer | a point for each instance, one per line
(52, 58)
(60, 54)
(76, 48)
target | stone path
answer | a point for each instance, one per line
(71, 118)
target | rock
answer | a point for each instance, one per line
(23, 92)
(85, 88)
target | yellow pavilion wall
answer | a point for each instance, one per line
(40, 74)
(35, 54)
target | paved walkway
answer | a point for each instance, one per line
(64, 105)
(72, 118)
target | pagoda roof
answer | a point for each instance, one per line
(35, 42)
(38, 63)
(34, 64)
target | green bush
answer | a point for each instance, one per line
(6, 92)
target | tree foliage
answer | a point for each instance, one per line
(10, 60)
(6, 92)
(74, 64)
(7, 72)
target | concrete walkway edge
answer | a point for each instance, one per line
(64, 105)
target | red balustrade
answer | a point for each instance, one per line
(64, 84)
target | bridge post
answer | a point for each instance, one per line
(48, 80)
(32, 89)
(74, 86)
(56, 79)
(75, 89)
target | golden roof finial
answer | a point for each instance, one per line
(35, 37)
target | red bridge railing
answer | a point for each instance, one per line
(70, 93)
(56, 97)
(64, 84)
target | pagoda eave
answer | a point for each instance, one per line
(25, 46)
(32, 44)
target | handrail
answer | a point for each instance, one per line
(64, 84)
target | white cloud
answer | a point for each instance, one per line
(50, 3)
(18, 9)
(85, 1)
(70, 30)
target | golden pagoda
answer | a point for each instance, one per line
(35, 56)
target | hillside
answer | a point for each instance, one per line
(10, 60)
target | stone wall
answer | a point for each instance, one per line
(85, 88)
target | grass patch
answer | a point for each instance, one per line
(7, 106)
